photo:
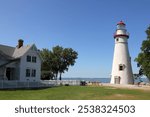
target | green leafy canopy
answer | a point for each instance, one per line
(58, 60)
(143, 58)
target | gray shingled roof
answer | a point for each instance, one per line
(13, 52)
(21, 51)
(4, 56)
(7, 50)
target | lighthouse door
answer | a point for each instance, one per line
(117, 79)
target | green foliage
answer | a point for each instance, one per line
(58, 60)
(47, 75)
(143, 58)
(139, 75)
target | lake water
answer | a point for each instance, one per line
(103, 80)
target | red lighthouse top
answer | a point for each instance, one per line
(121, 23)
(121, 30)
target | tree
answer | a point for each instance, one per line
(47, 72)
(138, 75)
(68, 57)
(143, 58)
(58, 60)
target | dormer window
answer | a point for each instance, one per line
(28, 58)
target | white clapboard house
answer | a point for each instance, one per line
(20, 63)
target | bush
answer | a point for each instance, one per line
(83, 83)
(47, 75)
(66, 84)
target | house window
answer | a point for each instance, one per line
(33, 73)
(121, 67)
(34, 59)
(28, 58)
(27, 72)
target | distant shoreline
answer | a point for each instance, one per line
(102, 80)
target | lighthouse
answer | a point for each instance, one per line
(121, 67)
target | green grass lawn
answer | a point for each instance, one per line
(75, 93)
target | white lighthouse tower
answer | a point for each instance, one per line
(121, 68)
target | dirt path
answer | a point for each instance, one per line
(141, 87)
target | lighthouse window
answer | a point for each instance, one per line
(121, 67)
(117, 39)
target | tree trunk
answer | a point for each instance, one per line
(56, 76)
(60, 77)
(148, 79)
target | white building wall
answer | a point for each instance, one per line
(121, 56)
(30, 65)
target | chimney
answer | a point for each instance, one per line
(20, 43)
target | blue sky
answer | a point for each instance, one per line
(87, 26)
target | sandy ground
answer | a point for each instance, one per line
(142, 87)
